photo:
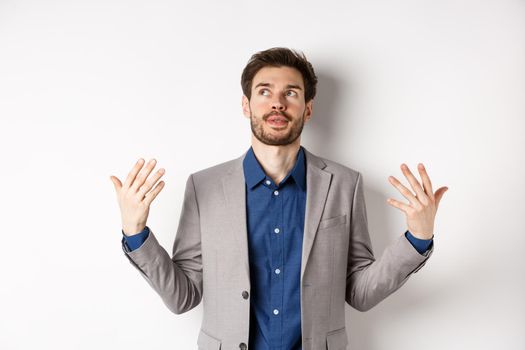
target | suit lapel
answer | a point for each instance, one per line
(234, 187)
(317, 185)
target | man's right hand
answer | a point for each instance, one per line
(135, 197)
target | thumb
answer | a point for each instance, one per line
(116, 182)
(439, 194)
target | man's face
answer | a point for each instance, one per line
(277, 109)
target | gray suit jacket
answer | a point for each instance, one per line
(210, 256)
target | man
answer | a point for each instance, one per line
(274, 242)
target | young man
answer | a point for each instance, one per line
(274, 242)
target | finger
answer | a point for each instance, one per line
(397, 204)
(414, 183)
(133, 173)
(143, 175)
(153, 194)
(439, 194)
(151, 181)
(426, 181)
(405, 192)
(116, 183)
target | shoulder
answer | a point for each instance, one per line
(339, 171)
(218, 171)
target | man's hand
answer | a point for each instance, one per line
(423, 206)
(135, 197)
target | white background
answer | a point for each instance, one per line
(88, 87)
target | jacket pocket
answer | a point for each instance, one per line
(207, 342)
(337, 340)
(326, 223)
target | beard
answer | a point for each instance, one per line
(277, 137)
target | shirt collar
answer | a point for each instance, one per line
(254, 173)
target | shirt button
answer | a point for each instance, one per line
(243, 346)
(276, 230)
(268, 182)
(275, 311)
(276, 192)
(245, 294)
(277, 271)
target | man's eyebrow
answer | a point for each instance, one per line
(289, 86)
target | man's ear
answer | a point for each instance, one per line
(246, 106)
(308, 110)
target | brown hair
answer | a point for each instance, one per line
(277, 57)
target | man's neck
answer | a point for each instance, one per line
(276, 161)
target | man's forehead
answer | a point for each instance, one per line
(270, 76)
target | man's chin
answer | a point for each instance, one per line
(274, 141)
(277, 129)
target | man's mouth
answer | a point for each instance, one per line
(277, 120)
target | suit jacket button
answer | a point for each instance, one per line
(243, 346)
(245, 294)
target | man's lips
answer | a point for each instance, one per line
(277, 119)
(277, 122)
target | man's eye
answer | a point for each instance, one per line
(262, 91)
(293, 93)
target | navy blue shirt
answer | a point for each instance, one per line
(275, 221)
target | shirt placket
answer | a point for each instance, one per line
(276, 280)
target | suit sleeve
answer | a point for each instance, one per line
(177, 280)
(370, 280)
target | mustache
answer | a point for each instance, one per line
(271, 114)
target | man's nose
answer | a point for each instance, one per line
(279, 104)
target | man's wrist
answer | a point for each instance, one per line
(133, 231)
(421, 236)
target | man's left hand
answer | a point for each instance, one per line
(423, 206)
